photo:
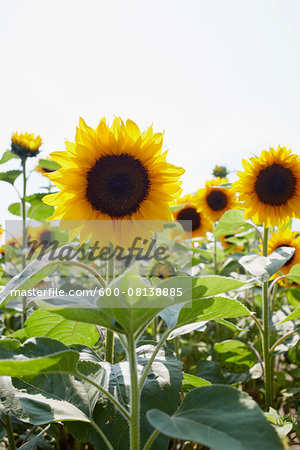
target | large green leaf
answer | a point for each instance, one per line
(191, 382)
(263, 267)
(7, 156)
(230, 222)
(293, 316)
(220, 417)
(38, 209)
(294, 274)
(33, 273)
(49, 324)
(10, 176)
(35, 356)
(235, 356)
(202, 310)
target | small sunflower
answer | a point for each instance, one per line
(269, 187)
(113, 174)
(287, 238)
(1, 231)
(214, 201)
(46, 166)
(40, 234)
(198, 224)
(25, 144)
(162, 270)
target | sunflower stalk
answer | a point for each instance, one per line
(266, 331)
(24, 233)
(109, 341)
(134, 424)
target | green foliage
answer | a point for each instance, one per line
(219, 417)
(235, 356)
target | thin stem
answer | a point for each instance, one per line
(282, 339)
(274, 283)
(10, 432)
(30, 433)
(101, 433)
(266, 332)
(258, 324)
(134, 424)
(215, 252)
(108, 394)
(258, 358)
(151, 439)
(24, 235)
(88, 268)
(109, 342)
(149, 363)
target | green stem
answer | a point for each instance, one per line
(24, 234)
(215, 252)
(282, 339)
(108, 394)
(109, 341)
(134, 424)
(87, 268)
(151, 440)
(10, 432)
(149, 363)
(266, 331)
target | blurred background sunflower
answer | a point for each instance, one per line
(286, 237)
(193, 221)
(214, 200)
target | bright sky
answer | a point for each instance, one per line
(221, 77)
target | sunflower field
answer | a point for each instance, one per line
(136, 317)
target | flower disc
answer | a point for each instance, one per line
(214, 201)
(193, 221)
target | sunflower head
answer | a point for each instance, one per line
(114, 174)
(220, 171)
(162, 269)
(269, 187)
(286, 237)
(1, 231)
(40, 234)
(25, 144)
(46, 166)
(214, 200)
(198, 225)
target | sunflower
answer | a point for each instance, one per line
(46, 166)
(287, 238)
(214, 201)
(269, 187)
(115, 174)
(162, 270)
(25, 144)
(197, 225)
(40, 235)
(1, 231)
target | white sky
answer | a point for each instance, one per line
(220, 77)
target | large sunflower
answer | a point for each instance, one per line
(198, 225)
(287, 238)
(115, 174)
(269, 187)
(25, 144)
(214, 201)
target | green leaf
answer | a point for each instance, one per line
(7, 156)
(230, 222)
(191, 382)
(36, 355)
(203, 310)
(281, 426)
(199, 326)
(48, 164)
(293, 316)
(33, 273)
(35, 442)
(294, 274)
(235, 356)
(263, 267)
(49, 324)
(220, 417)
(15, 208)
(10, 176)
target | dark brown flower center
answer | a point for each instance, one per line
(216, 200)
(275, 185)
(117, 185)
(189, 214)
(45, 236)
